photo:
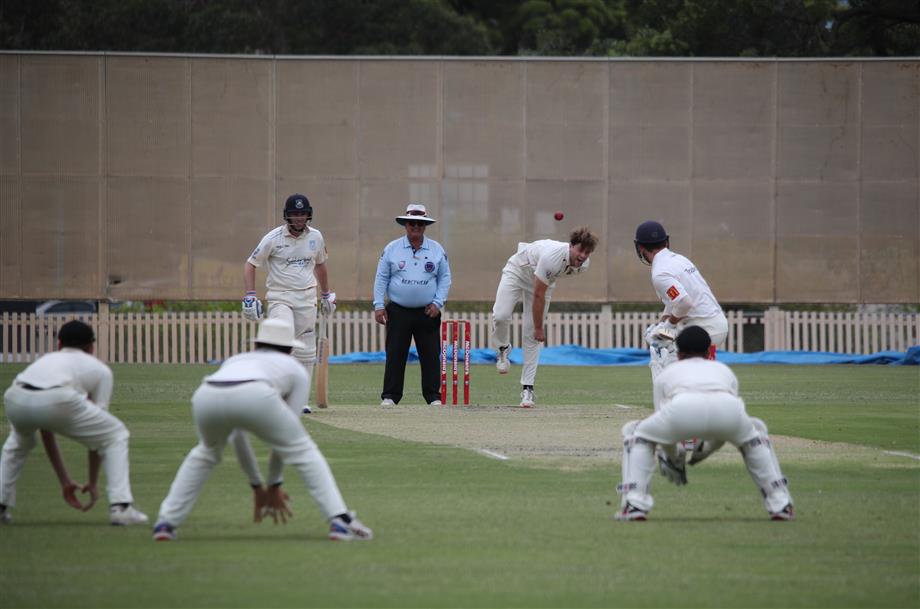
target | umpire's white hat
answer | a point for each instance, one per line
(277, 332)
(415, 211)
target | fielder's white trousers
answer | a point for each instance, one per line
(68, 413)
(298, 308)
(712, 416)
(255, 407)
(516, 285)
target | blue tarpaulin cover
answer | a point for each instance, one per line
(574, 355)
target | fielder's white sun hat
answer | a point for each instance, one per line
(415, 211)
(277, 332)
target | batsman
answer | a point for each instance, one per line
(295, 256)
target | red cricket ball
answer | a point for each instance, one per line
(559, 215)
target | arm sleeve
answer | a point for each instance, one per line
(381, 280)
(673, 294)
(321, 254)
(101, 394)
(444, 280)
(246, 457)
(275, 466)
(300, 389)
(259, 255)
(548, 268)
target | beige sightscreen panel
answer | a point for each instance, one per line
(784, 181)
(59, 223)
(61, 115)
(483, 123)
(147, 119)
(317, 119)
(9, 115)
(148, 258)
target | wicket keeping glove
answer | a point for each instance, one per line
(252, 307)
(327, 304)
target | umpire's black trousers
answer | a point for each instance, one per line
(404, 324)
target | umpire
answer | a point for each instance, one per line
(414, 276)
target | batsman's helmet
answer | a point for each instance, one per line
(650, 233)
(297, 204)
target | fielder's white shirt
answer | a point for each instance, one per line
(547, 259)
(279, 370)
(693, 375)
(681, 287)
(72, 368)
(290, 259)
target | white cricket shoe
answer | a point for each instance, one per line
(435, 403)
(339, 530)
(631, 513)
(527, 398)
(307, 409)
(388, 402)
(502, 364)
(126, 516)
(787, 513)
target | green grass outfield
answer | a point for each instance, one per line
(456, 528)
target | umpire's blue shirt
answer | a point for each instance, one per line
(412, 278)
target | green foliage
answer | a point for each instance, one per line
(667, 28)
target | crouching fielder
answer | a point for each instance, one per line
(261, 392)
(696, 397)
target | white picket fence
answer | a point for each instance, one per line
(201, 337)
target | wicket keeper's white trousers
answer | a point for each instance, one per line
(66, 412)
(255, 407)
(516, 286)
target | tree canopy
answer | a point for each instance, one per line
(640, 28)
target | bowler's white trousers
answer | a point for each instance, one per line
(67, 412)
(516, 285)
(256, 407)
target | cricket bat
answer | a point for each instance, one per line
(322, 364)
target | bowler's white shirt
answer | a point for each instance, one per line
(547, 259)
(290, 259)
(279, 370)
(681, 287)
(72, 368)
(693, 375)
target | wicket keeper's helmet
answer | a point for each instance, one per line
(650, 233)
(297, 204)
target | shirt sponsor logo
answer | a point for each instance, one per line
(414, 281)
(429, 266)
(672, 292)
(301, 262)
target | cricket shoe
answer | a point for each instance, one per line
(527, 398)
(787, 513)
(435, 403)
(126, 516)
(339, 530)
(307, 409)
(5, 516)
(164, 531)
(387, 402)
(631, 512)
(501, 363)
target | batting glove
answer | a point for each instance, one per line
(252, 307)
(665, 330)
(328, 303)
